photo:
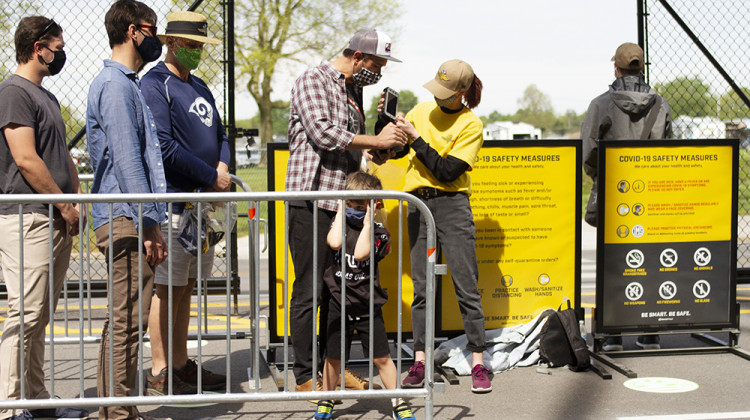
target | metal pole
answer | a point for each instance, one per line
(230, 125)
(642, 21)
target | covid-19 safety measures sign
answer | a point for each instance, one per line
(526, 203)
(666, 251)
(526, 200)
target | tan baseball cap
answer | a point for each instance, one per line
(188, 25)
(452, 77)
(629, 56)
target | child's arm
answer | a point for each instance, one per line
(362, 249)
(334, 235)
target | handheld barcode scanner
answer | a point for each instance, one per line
(390, 108)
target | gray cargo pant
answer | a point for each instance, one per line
(454, 223)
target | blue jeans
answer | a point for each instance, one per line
(454, 223)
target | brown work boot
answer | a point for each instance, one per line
(159, 385)
(307, 386)
(354, 381)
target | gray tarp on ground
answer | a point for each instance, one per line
(506, 347)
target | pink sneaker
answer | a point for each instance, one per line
(480, 379)
(415, 378)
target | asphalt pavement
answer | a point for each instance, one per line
(690, 386)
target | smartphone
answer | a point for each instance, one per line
(390, 105)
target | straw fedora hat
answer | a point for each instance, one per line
(188, 25)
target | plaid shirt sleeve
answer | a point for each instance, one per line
(318, 138)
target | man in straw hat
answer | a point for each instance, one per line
(195, 151)
(629, 110)
(326, 142)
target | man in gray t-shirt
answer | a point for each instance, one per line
(33, 160)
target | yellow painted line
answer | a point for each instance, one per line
(745, 311)
(194, 305)
(588, 294)
(60, 330)
(743, 297)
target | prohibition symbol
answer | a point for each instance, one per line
(634, 259)
(701, 289)
(668, 257)
(667, 290)
(702, 256)
(634, 291)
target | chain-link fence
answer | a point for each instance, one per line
(86, 46)
(698, 53)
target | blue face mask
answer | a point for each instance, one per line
(355, 217)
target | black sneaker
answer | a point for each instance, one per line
(158, 385)
(23, 415)
(648, 342)
(612, 344)
(58, 413)
(210, 381)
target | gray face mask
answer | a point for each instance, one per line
(366, 77)
(447, 102)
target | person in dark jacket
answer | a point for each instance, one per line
(621, 114)
(195, 151)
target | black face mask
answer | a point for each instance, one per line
(150, 48)
(57, 63)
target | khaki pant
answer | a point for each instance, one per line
(35, 295)
(126, 295)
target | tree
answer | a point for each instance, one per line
(271, 32)
(731, 107)
(688, 96)
(406, 101)
(74, 121)
(280, 117)
(10, 14)
(535, 108)
(496, 116)
(570, 122)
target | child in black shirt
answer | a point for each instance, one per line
(358, 214)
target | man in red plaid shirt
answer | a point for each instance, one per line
(327, 141)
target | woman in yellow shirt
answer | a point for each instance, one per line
(445, 137)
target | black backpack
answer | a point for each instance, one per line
(561, 342)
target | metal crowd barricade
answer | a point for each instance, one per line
(254, 200)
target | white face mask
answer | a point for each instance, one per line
(447, 102)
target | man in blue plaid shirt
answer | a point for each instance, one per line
(327, 141)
